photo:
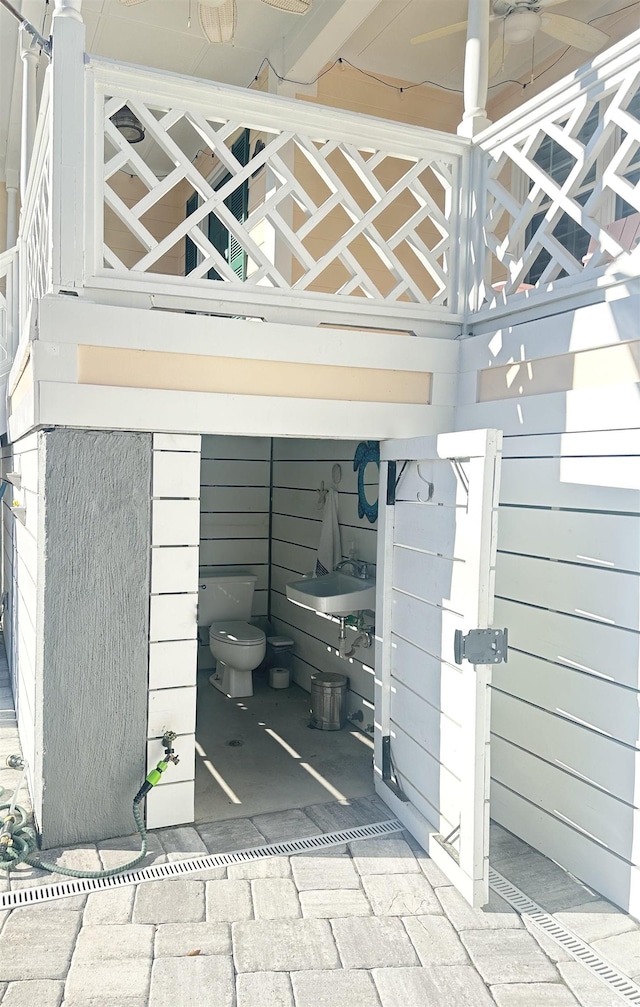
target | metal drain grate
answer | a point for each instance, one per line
(177, 868)
(582, 952)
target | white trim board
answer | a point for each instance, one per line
(65, 320)
(104, 407)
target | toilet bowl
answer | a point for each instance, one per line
(224, 605)
(238, 648)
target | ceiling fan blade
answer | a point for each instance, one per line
(290, 6)
(130, 3)
(497, 55)
(218, 23)
(448, 29)
(548, 3)
(572, 32)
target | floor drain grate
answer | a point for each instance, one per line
(577, 948)
(179, 868)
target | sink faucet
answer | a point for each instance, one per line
(359, 567)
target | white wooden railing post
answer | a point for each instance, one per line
(13, 276)
(68, 143)
(471, 250)
(476, 69)
(29, 52)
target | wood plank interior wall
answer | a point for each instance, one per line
(300, 466)
(234, 514)
(566, 707)
(19, 578)
(239, 506)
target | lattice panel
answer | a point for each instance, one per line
(303, 214)
(563, 194)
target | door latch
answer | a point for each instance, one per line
(481, 646)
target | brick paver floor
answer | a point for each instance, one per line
(370, 924)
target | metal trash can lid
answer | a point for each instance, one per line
(329, 680)
(280, 641)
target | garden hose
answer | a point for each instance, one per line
(18, 841)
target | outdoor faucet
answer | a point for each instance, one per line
(359, 567)
(353, 563)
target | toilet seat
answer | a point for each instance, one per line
(240, 634)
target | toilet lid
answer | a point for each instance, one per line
(238, 633)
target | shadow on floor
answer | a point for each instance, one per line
(258, 755)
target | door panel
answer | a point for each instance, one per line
(436, 563)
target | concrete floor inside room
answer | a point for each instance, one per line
(258, 754)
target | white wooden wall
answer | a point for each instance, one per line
(175, 518)
(234, 514)
(20, 562)
(566, 707)
(300, 466)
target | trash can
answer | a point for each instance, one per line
(279, 655)
(328, 701)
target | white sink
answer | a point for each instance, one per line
(336, 594)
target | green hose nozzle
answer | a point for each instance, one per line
(155, 775)
(18, 842)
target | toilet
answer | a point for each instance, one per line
(224, 605)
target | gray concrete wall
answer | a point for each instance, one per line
(95, 631)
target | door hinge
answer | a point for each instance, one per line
(391, 484)
(481, 646)
(388, 773)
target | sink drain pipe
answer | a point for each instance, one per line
(18, 841)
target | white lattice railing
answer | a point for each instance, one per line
(36, 235)
(562, 180)
(354, 218)
(329, 205)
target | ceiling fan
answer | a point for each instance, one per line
(218, 17)
(520, 21)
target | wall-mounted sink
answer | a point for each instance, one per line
(336, 594)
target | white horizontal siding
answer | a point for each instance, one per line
(301, 467)
(19, 583)
(234, 514)
(172, 668)
(566, 707)
(610, 541)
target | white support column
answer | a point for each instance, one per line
(13, 277)
(68, 144)
(476, 69)
(29, 54)
(12, 207)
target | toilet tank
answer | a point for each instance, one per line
(225, 596)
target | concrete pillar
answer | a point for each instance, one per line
(476, 69)
(93, 632)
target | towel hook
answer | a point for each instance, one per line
(429, 485)
(322, 495)
(322, 491)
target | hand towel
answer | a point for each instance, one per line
(329, 549)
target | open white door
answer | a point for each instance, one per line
(437, 526)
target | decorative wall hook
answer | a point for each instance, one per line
(430, 486)
(322, 495)
(336, 476)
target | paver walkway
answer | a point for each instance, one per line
(371, 924)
